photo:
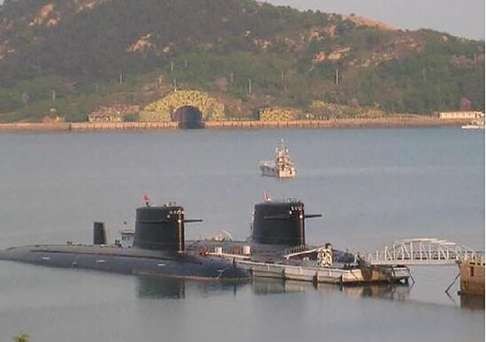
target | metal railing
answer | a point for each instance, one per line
(421, 251)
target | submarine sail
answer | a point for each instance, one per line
(280, 223)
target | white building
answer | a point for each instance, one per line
(464, 115)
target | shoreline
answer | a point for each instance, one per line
(383, 122)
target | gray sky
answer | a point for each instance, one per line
(459, 17)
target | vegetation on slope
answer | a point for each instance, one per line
(76, 55)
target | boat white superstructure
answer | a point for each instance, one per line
(282, 166)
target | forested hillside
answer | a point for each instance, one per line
(77, 55)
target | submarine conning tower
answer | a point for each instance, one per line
(99, 233)
(160, 228)
(280, 223)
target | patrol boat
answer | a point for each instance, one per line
(158, 249)
(282, 166)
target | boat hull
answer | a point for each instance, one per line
(270, 171)
(126, 261)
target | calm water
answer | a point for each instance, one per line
(373, 187)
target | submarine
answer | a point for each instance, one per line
(281, 224)
(277, 248)
(158, 249)
(278, 229)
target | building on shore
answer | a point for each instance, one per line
(114, 113)
(53, 117)
(461, 115)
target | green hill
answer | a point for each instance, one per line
(77, 55)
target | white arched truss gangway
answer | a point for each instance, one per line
(421, 251)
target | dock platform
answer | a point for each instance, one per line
(339, 274)
(328, 275)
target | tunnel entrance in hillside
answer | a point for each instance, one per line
(188, 117)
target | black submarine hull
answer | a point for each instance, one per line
(127, 261)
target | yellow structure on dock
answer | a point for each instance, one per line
(472, 276)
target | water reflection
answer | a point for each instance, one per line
(151, 287)
(275, 286)
(173, 288)
(472, 302)
(261, 286)
(398, 292)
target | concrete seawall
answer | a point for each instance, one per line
(36, 127)
(121, 126)
(391, 122)
(384, 122)
(87, 126)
